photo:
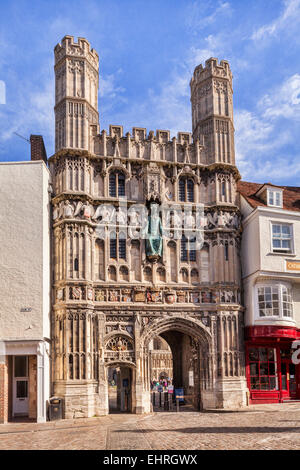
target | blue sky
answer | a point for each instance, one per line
(148, 50)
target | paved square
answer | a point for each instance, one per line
(258, 427)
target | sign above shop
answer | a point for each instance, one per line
(292, 265)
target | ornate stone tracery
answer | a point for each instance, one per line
(110, 299)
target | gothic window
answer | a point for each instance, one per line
(76, 265)
(161, 275)
(113, 248)
(135, 259)
(184, 276)
(226, 251)
(172, 261)
(119, 343)
(124, 273)
(112, 273)
(184, 251)
(204, 263)
(116, 184)
(194, 276)
(148, 274)
(188, 252)
(99, 259)
(122, 248)
(186, 190)
(117, 247)
(71, 367)
(223, 189)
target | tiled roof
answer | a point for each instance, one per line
(291, 195)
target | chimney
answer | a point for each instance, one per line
(38, 151)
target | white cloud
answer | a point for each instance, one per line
(255, 139)
(30, 113)
(262, 139)
(274, 170)
(108, 87)
(169, 107)
(289, 17)
(283, 101)
(198, 17)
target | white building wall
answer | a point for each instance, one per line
(261, 265)
(25, 268)
(25, 250)
(250, 248)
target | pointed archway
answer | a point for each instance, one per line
(191, 345)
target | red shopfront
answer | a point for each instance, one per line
(272, 377)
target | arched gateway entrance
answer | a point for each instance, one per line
(190, 344)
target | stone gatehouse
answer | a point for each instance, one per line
(146, 243)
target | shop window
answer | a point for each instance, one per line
(263, 368)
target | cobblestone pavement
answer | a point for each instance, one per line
(256, 427)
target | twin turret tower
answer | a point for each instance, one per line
(111, 296)
(76, 93)
(212, 110)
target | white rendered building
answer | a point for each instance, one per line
(25, 287)
(271, 280)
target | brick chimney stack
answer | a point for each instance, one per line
(38, 151)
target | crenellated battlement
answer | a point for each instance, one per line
(153, 146)
(80, 49)
(139, 134)
(212, 68)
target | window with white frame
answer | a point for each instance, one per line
(274, 198)
(287, 306)
(282, 238)
(274, 301)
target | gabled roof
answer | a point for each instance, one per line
(291, 195)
